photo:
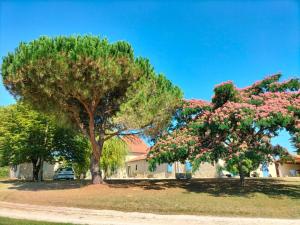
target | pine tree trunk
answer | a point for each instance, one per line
(96, 152)
(95, 170)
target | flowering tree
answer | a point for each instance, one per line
(237, 126)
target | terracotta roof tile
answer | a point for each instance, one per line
(135, 144)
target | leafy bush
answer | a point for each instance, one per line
(4, 172)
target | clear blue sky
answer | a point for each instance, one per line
(196, 44)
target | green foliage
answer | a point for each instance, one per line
(114, 154)
(78, 75)
(224, 93)
(246, 166)
(27, 136)
(73, 148)
(4, 172)
(99, 86)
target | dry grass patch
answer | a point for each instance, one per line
(222, 197)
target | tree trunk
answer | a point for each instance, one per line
(41, 170)
(95, 170)
(242, 176)
(35, 170)
(242, 179)
(277, 169)
(96, 152)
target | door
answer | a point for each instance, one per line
(128, 171)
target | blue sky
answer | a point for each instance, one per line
(196, 44)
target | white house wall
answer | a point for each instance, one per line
(284, 169)
(206, 170)
(139, 169)
(24, 171)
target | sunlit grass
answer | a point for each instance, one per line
(278, 198)
(9, 221)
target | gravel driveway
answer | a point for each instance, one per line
(101, 217)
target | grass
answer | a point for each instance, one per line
(9, 221)
(278, 198)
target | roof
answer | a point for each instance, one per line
(296, 160)
(135, 144)
(140, 157)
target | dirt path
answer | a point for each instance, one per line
(107, 217)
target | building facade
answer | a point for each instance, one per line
(136, 167)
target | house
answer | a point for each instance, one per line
(288, 168)
(137, 148)
(138, 168)
(281, 168)
(24, 171)
(136, 165)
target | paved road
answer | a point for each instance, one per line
(110, 217)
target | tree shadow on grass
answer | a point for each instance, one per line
(45, 185)
(275, 188)
(219, 187)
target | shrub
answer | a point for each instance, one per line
(4, 172)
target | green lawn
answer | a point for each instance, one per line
(277, 198)
(9, 221)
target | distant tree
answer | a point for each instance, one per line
(237, 127)
(4, 172)
(27, 136)
(99, 86)
(114, 155)
(73, 149)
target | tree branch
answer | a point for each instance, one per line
(76, 118)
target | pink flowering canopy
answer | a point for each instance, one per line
(236, 126)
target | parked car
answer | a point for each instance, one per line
(64, 174)
(225, 174)
(183, 176)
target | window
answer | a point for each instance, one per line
(188, 166)
(170, 168)
(135, 167)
